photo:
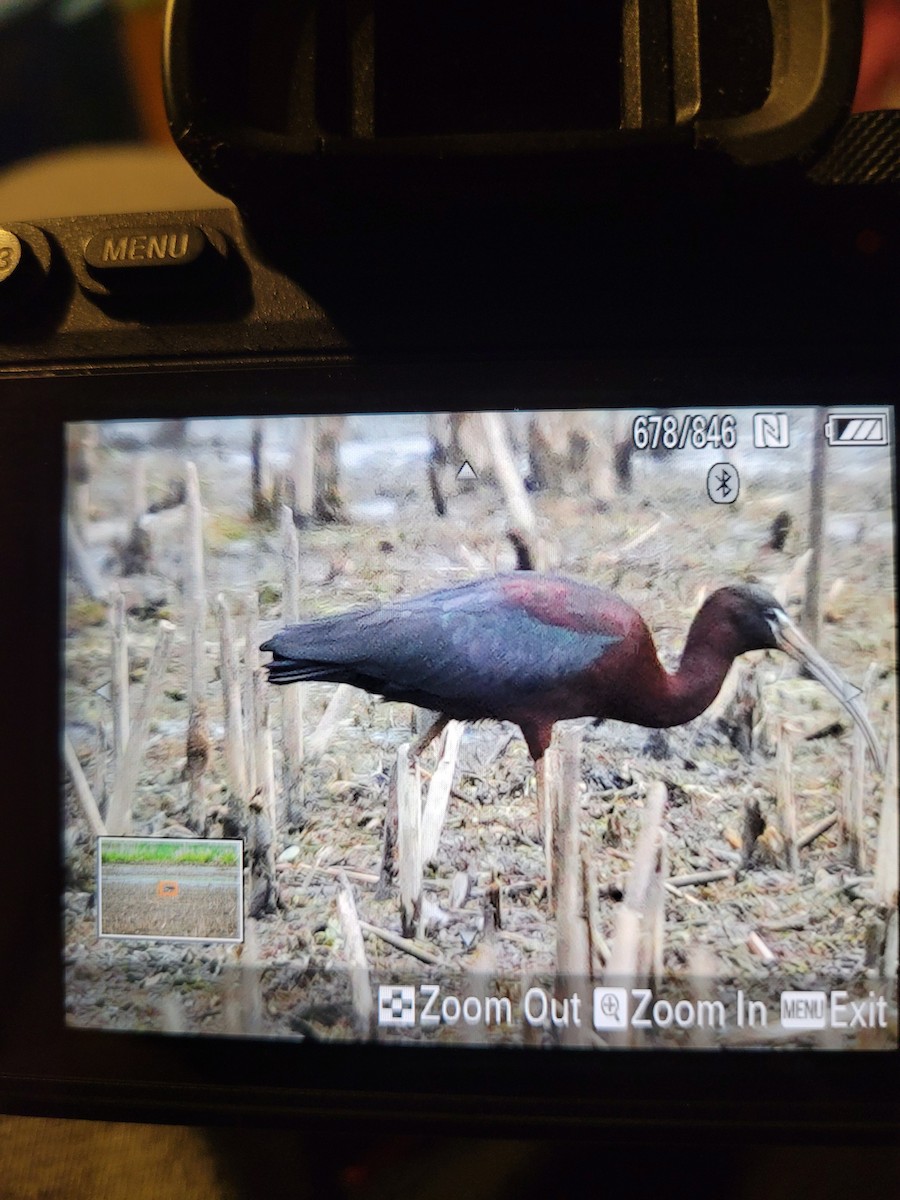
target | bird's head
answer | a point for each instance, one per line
(748, 617)
(751, 618)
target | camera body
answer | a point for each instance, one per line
(404, 271)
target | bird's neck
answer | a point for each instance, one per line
(705, 662)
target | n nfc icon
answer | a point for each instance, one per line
(771, 431)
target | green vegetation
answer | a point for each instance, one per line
(269, 594)
(168, 851)
(84, 613)
(224, 528)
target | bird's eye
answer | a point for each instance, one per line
(774, 618)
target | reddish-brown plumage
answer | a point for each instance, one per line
(628, 682)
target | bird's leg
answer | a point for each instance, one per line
(434, 730)
(545, 818)
(537, 739)
(540, 781)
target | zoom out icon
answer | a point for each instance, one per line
(397, 1006)
(610, 1008)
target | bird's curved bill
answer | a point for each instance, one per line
(792, 642)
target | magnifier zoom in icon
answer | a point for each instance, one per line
(610, 1008)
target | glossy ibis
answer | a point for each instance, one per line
(536, 649)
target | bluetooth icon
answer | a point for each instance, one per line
(723, 483)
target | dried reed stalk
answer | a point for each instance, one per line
(118, 818)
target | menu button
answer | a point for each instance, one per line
(145, 247)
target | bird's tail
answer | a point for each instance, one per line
(283, 669)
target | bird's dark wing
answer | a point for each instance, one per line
(477, 649)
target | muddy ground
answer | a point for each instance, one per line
(290, 978)
(177, 903)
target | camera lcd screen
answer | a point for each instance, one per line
(266, 616)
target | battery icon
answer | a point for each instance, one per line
(850, 429)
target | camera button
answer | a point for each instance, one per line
(10, 254)
(142, 258)
(147, 248)
(24, 265)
